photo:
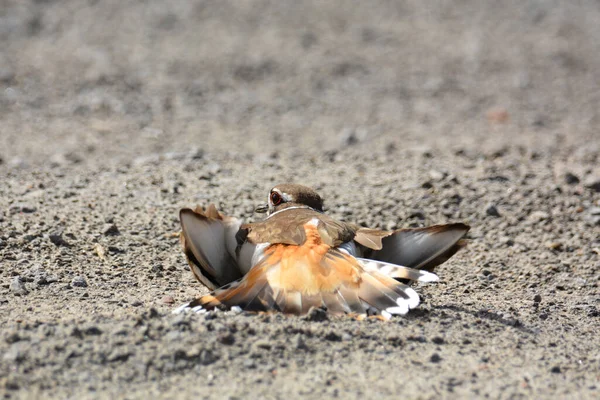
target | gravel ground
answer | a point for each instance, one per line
(113, 115)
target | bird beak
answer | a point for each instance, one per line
(263, 208)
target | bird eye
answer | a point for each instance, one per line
(276, 198)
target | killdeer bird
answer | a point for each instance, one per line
(299, 257)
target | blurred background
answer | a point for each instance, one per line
(87, 81)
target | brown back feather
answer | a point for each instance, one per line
(287, 227)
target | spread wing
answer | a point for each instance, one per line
(420, 248)
(208, 241)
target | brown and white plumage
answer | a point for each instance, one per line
(207, 243)
(299, 258)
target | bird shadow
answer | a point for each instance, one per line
(443, 311)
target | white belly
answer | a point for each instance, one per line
(250, 255)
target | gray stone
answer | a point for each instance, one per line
(79, 281)
(17, 286)
(571, 179)
(492, 211)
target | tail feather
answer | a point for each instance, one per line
(279, 300)
(351, 301)
(335, 303)
(377, 295)
(400, 298)
(398, 271)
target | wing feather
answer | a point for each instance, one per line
(421, 248)
(206, 238)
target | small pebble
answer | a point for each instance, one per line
(24, 208)
(13, 338)
(168, 300)
(435, 358)
(538, 216)
(316, 314)
(492, 211)
(299, 342)
(92, 331)
(594, 220)
(100, 251)
(438, 340)
(348, 137)
(333, 337)
(12, 384)
(226, 338)
(79, 281)
(262, 344)
(111, 230)
(571, 179)
(436, 175)
(554, 245)
(18, 287)
(235, 310)
(593, 184)
(417, 214)
(57, 239)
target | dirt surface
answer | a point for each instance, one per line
(113, 115)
